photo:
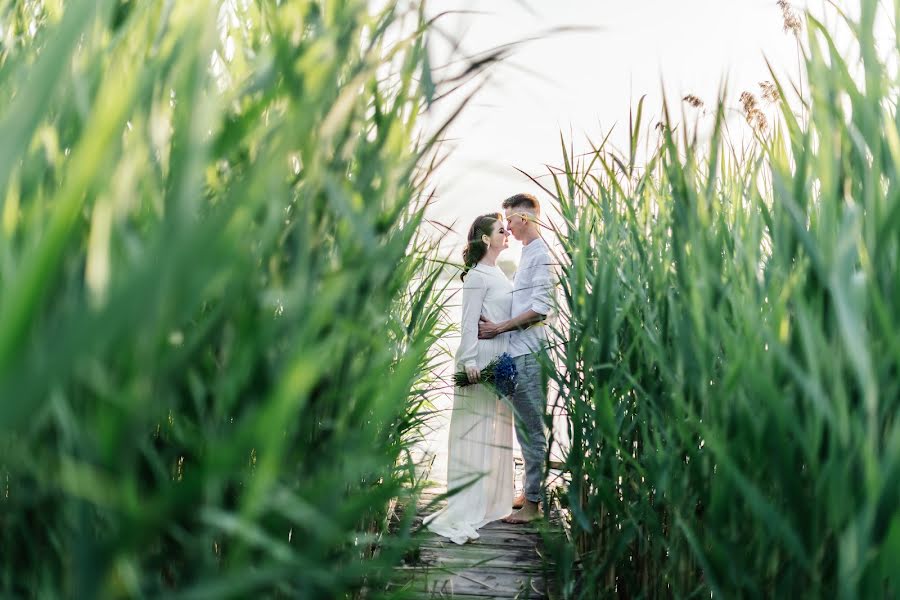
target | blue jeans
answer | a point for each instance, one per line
(529, 401)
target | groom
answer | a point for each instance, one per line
(532, 301)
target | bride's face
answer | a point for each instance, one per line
(499, 236)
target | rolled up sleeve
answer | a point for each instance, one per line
(542, 282)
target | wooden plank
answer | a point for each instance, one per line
(479, 581)
(533, 529)
(427, 558)
(490, 539)
(518, 545)
(512, 558)
(439, 595)
(509, 529)
(507, 561)
(447, 564)
(464, 564)
(446, 594)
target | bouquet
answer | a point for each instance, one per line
(500, 374)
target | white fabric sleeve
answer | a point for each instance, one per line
(542, 282)
(474, 292)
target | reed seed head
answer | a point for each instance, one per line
(755, 117)
(748, 101)
(693, 101)
(792, 22)
(769, 91)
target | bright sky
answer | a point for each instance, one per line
(582, 83)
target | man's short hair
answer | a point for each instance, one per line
(526, 201)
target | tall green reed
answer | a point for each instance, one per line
(730, 354)
(216, 311)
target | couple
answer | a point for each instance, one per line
(497, 317)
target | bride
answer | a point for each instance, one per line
(479, 461)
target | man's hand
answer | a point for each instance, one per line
(488, 329)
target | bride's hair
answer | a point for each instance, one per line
(475, 247)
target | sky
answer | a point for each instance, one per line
(582, 82)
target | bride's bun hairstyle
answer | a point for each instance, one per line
(475, 247)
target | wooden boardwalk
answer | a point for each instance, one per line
(507, 561)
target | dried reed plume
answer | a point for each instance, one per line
(769, 91)
(755, 117)
(748, 101)
(693, 101)
(792, 22)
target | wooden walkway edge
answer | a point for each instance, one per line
(507, 561)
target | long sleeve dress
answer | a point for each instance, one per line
(479, 457)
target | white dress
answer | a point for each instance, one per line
(480, 447)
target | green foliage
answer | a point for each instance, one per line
(732, 351)
(216, 314)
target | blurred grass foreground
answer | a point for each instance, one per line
(216, 313)
(218, 317)
(731, 359)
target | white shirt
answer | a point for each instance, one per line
(532, 288)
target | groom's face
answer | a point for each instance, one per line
(516, 222)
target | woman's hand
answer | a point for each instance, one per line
(474, 374)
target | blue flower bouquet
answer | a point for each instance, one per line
(500, 374)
